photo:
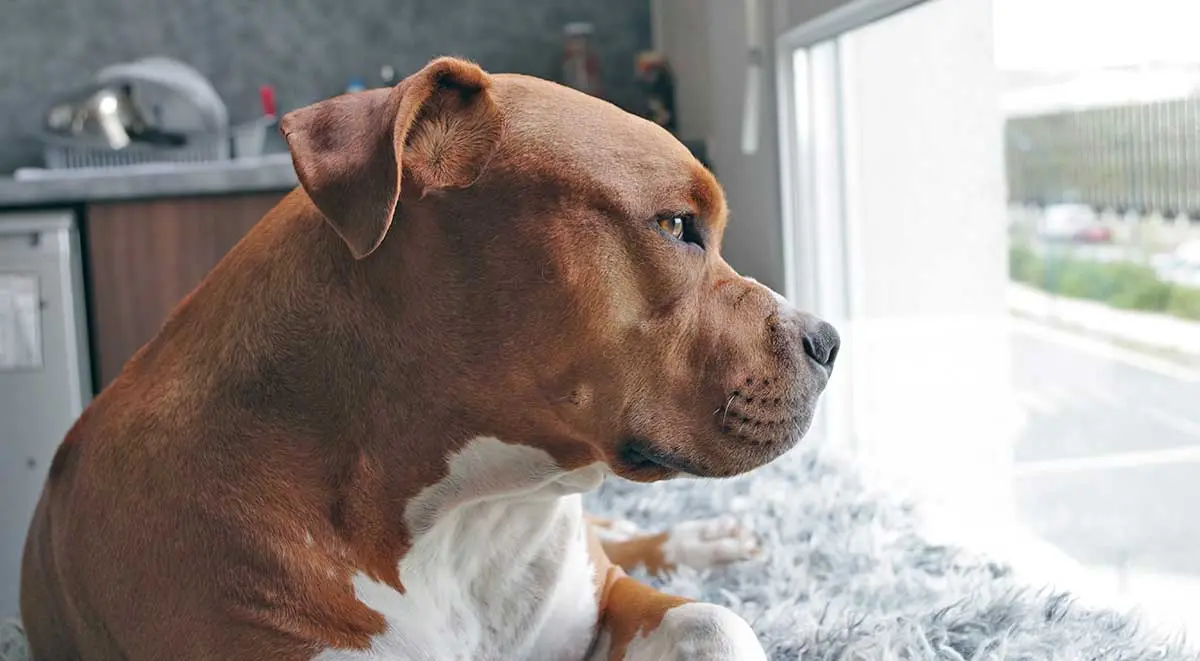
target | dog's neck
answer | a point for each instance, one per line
(382, 424)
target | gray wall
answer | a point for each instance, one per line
(307, 49)
(751, 181)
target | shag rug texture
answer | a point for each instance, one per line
(847, 576)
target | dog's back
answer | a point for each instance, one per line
(184, 455)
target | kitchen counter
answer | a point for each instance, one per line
(38, 187)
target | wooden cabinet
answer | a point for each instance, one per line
(145, 256)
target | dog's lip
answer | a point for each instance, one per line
(640, 455)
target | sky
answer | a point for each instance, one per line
(1075, 35)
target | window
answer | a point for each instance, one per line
(997, 203)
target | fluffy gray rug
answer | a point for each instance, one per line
(846, 576)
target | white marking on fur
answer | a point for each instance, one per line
(698, 632)
(709, 542)
(499, 567)
(784, 304)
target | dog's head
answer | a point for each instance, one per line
(554, 266)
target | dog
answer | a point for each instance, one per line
(365, 435)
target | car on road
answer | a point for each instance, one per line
(1073, 223)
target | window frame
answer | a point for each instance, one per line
(813, 182)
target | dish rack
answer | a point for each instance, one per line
(164, 96)
(64, 154)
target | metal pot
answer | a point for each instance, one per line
(106, 113)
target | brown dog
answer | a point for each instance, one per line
(365, 435)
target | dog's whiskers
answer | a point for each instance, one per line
(725, 409)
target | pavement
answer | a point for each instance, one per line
(1108, 464)
(1085, 401)
(1156, 333)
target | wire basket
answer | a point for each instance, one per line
(200, 148)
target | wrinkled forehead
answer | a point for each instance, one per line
(560, 134)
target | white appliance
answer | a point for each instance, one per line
(45, 379)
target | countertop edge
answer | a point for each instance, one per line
(274, 174)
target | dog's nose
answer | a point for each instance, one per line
(821, 343)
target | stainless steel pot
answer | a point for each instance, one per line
(106, 113)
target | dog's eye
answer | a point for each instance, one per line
(681, 227)
(672, 226)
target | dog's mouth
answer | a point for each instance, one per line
(755, 426)
(641, 461)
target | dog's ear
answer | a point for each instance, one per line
(436, 129)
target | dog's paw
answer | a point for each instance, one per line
(709, 543)
(616, 530)
(697, 632)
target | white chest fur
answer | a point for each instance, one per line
(499, 568)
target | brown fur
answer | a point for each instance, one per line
(639, 551)
(632, 609)
(628, 608)
(493, 268)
